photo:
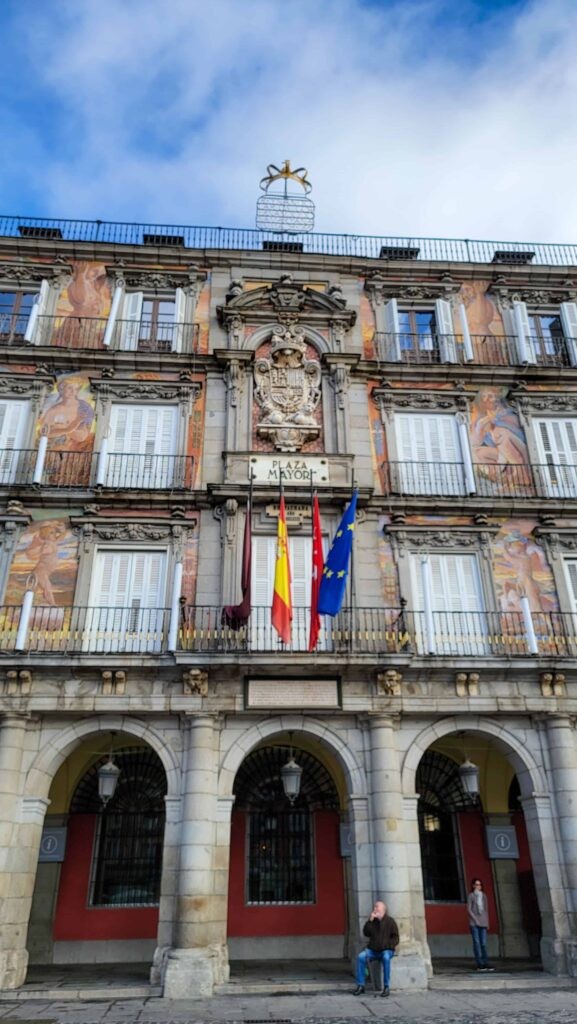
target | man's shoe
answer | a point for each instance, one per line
(359, 990)
(386, 991)
(487, 968)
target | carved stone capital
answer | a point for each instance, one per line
(132, 532)
(18, 683)
(22, 274)
(227, 516)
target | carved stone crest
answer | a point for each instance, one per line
(287, 389)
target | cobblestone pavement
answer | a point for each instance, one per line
(539, 1006)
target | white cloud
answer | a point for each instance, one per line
(410, 120)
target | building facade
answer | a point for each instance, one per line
(148, 375)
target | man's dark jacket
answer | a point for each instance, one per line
(382, 934)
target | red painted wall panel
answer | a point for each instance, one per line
(451, 918)
(74, 920)
(325, 917)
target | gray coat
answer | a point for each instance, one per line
(480, 919)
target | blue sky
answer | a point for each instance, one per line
(423, 117)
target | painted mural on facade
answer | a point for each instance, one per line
(367, 322)
(83, 307)
(521, 569)
(202, 316)
(483, 317)
(68, 417)
(46, 562)
(498, 444)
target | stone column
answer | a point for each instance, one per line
(198, 960)
(547, 870)
(563, 760)
(391, 872)
(15, 884)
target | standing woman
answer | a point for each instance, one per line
(478, 923)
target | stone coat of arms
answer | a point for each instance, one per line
(287, 389)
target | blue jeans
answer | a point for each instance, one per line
(479, 936)
(367, 954)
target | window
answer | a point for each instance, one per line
(450, 611)
(15, 310)
(263, 636)
(13, 424)
(441, 796)
(557, 446)
(419, 335)
(546, 338)
(127, 854)
(126, 606)
(153, 323)
(429, 457)
(142, 447)
(280, 837)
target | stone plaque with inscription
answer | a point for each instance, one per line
(295, 469)
(265, 692)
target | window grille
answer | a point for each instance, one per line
(441, 795)
(127, 855)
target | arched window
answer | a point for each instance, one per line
(127, 856)
(441, 795)
(280, 837)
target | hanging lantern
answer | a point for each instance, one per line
(469, 776)
(108, 774)
(291, 779)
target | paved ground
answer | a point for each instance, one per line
(463, 1007)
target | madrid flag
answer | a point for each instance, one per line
(316, 575)
(282, 611)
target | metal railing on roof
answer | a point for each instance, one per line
(379, 247)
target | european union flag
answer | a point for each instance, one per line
(335, 572)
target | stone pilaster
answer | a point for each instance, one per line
(390, 857)
(563, 760)
(198, 960)
(16, 881)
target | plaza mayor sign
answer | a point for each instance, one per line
(266, 469)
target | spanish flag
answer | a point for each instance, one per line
(282, 611)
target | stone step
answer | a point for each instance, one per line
(497, 981)
(66, 993)
(285, 988)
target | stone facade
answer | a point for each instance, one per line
(134, 448)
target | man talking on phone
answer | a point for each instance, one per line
(383, 935)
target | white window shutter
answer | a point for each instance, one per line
(571, 573)
(525, 347)
(126, 601)
(468, 350)
(131, 317)
(445, 331)
(35, 328)
(142, 445)
(392, 331)
(113, 315)
(263, 636)
(13, 423)
(179, 319)
(557, 444)
(568, 311)
(429, 454)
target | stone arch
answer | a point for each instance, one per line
(262, 334)
(530, 775)
(354, 773)
(57, 749)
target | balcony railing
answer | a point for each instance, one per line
(86, 470)
(360, 631)
(460, 250)
(485, 479)
(479, 349)
(73, 332)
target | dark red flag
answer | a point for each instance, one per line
(237, 615)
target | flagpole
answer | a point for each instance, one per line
(353, 590)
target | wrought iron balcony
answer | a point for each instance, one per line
(480, 349)
(88, 470)
(199, 630)
(488, 480)
(374, 247)
(73, 332)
